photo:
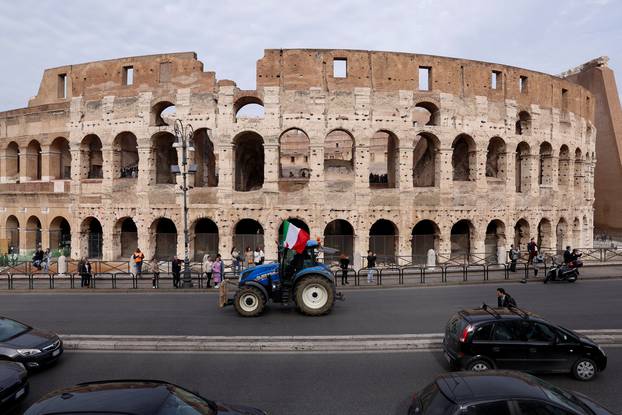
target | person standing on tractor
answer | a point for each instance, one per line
(295, 239)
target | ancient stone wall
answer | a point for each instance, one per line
(477, 158)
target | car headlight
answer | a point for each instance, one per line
(28, 352)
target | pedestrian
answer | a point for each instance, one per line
(235, 260)
(207, 269)
(344, 261)
(257, 256)
(37, 259)
(176, 269)
(514, 255)
(47, 257)
(138, 258)
(262, 257)
(532, 249)
(504, 299)
(82, 272)
(248, 257)
(217, 268)
(371, 264)
(155, 272)
(88, 272)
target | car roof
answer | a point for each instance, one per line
(119, 396)
(476, 315)
(466, 387)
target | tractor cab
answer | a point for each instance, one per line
(292, 262)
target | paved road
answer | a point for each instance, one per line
(584, 305)
(343, 384)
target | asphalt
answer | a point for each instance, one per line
(584, 305)
(334, 383)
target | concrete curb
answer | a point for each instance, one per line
(353, 343)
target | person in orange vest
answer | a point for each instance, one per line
(138, 258)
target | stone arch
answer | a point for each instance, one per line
(294, 155)
(125, 237)
(33, 160)
(545, 167)
(163, 233)
(205, 159)
(125, 156)
(11, 233)
(523, 123)
(339, 234)
(248, 233)
(495, 242)
(576, 232)
(521, 234)
(522, 167)
(163, 113)
(425, 235)
(496, 159)
(60, 159)
(33, 233)
(383, 240)
(91, 158)
(426, 113)
(383, 159)
(12, 162)
(425, 165)
(205, 238)
(92, 238)
(578, 168)
(164, 156)
(249, 161)
(563, 178)
(463, 159)
(461, 238)
(248, 106)
(561, 235)
(59, 232)
(545, 235)
(339, 156)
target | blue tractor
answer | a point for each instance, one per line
(296, 277)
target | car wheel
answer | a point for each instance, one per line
(584, 369)
(479, 365)
(249, 301)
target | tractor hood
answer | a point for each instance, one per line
(259, 272)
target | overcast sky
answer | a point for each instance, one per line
(546, 35)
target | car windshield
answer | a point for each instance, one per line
(433, 402)
(10, 329)
(182, 402)
(563, 397)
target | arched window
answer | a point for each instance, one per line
(561, 233)
(92, 159)
(33, 233)
(60, 235)
(12, 234)
(426, 113)
(523, 123)
(425, 236)
(12, 162)
(425, 169)
(60, 159)
(522, 167)
(495, 159)
(205, 160)
(33, 160)
(384, 160)
(248, 234)
(521, 234)
(545, 176)
(164, 233)
(463, 159)
(92, 238)
(338, 157)
(205, 238)
(339, 234)
(545, 235)
(249, 161)
(563, 178)
(293, 154)
(249, 107)
(125, 156)
(495, 239)
(383, 237)
(461, 234)
(126, 237)
(163, 113)
(165, 156)
(578, 169)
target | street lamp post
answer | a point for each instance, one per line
(183, 136)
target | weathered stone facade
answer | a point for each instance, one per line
(468, 156)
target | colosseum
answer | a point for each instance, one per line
(394, 152)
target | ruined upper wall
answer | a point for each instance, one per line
(301, 69)
(94, 80)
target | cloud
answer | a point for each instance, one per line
(230, 36)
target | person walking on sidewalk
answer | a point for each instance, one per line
(532, 249)
(344, 261)
(217, 268)
(154, 267)
(371, 264)
(176, 270)
(47, 258)
(207, 268)
(138, 258)
(504, 299)
(514, 255)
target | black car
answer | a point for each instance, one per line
(511, 338)
(13, 383)
(22, 343)
(132, 397)
(499, 393)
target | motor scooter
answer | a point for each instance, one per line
(564, 272)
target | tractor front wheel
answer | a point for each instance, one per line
(315, 295)
(249, 301)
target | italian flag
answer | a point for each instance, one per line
(294, 237)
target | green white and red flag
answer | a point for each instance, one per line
(294, 237)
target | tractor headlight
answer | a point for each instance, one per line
(28, 352)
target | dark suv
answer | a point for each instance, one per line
(502, 338)
(499, 393)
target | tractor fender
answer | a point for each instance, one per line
(317, 270)
(260, 287)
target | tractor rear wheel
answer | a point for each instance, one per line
(315, 295)
(249, 301)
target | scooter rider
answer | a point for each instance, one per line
(567, 255)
